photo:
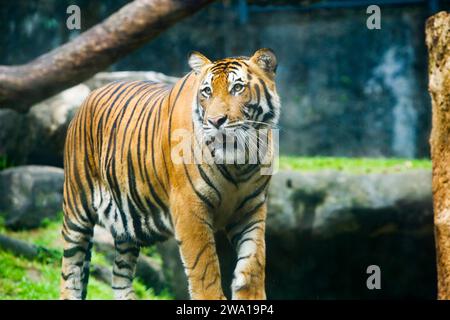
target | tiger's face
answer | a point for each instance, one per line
(236, 101)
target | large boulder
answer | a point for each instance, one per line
(38, 136)
(12, 133)
(325, 228)
(47, 124)
(30, 194)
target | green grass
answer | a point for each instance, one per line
(22, 279)
(354, 165)
(49, 235)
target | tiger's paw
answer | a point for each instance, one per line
(124, 294)
(244, 288)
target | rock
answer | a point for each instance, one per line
(150, 272)
(103, 78)
(11, 136)
(329, 203)
(101, 273)
(30, 194)
(28, 250)
(18, 247)
(47, 123)
(325, 228)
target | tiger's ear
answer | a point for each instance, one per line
(265, 58)
(197, 61)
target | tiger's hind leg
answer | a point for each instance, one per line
(76, 258)
(86, 269)
(124, 267)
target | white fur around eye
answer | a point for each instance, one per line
(206, 84)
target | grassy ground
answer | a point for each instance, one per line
(24, 279)
(356, 165)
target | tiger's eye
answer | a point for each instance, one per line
(207, 91)
(238, 87)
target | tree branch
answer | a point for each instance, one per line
(92, 51)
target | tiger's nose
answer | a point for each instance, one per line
(217, 121)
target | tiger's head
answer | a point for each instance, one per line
(236, 97)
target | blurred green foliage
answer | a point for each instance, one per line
(5, 162)
(356, 165)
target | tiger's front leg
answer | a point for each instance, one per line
(249, 274)
(195, 237)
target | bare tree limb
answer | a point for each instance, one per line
(92, 51)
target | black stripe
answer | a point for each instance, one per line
(223, 170)
(68, 253)
(199, 254)
(133, 250)
(120, 275)
(66, 276)
(173, 107)
(212, 282)
(244, 240)
(243, 258)
(198, 193)
(206, 269)
(121, 288)
(267, 96)
(72, 226)
(123, 265)
(239, 235)
(209, 183)
(253, 195)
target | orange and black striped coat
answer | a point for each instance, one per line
(120, 172)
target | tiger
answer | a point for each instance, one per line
(120, 174)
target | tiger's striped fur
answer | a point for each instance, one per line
(119, 173)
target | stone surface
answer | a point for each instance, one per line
(47, 124)
(29, 194)
(12, 133)
(325, 228)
